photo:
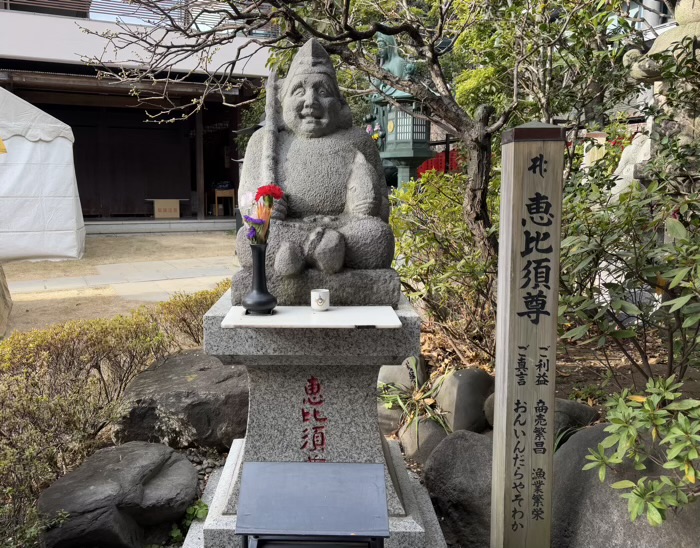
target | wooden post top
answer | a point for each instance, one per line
(534, 131)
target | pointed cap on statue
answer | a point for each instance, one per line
(311, 58)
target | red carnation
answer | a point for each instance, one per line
(273, 191)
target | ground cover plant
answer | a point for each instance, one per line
(60, 390)
(659, 433)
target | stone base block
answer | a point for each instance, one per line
(419, 528)
(379, 287)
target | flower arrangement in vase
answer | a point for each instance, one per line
(257, 217)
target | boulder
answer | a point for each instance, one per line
(489, 409)
(571, 415)
(5, 303)
(117, 494)
(389, 419)
(400, 374)
(458, 478)
(189, 399)
(462, 396)
(586, 511)
(420, 438)
(568, 414)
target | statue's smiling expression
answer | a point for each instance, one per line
(311, 105)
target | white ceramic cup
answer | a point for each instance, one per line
(320, 299)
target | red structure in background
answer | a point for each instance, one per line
(438, 163)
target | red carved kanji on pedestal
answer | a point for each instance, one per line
(314, 436)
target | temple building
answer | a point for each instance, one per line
(125, 164)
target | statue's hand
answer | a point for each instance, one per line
(279, 210)
(321, 220)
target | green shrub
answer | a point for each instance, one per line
(630, 263)
(440, 266)
(659, 433)
(60, 389)
(181, 316)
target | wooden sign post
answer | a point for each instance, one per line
(526, 336)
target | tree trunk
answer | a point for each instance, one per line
(475, 206)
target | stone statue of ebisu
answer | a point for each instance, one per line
(331, 228)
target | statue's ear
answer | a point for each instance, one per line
(345, 117)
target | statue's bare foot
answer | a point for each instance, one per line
(325, 250)
(289, 260)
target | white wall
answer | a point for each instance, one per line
(51, 38)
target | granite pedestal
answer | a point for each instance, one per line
(283, 412)
(379, 287)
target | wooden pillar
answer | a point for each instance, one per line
(526, 336)
(199, 165)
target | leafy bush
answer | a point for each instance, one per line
(60, 389)
(181, 316)
(659, 433)
(630, 271)
(440, 266)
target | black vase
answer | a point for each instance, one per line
(259, 301)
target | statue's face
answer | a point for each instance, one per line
(310, 107)
(382, 49)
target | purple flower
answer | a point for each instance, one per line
(252, 233)
(253, 220)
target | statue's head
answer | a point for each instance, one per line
(386, 47)
(312, 105)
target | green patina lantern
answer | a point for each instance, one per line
(402, 137)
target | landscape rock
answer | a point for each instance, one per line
(420, 438)
(586, 511)
(568, 414)
(462, 396)
(458, 478)
(189, 399)
(389, 419)
(400, 374)
(5, 303)
(489, 409)
(117, 494)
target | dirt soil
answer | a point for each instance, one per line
(42, 309)
(100, 250)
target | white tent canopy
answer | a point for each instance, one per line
(40, 214)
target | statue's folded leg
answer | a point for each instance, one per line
(369, 243)
(325, 249)
(361, 243)
(294, 245)
(289, 259)
(281, 232)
